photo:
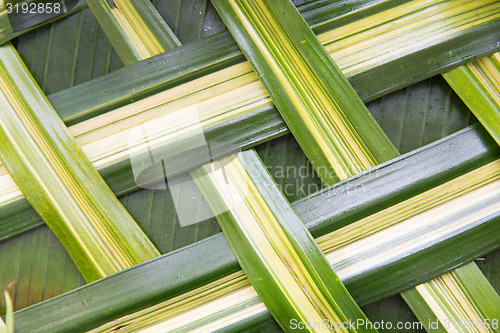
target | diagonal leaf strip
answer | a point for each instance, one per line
(290, 81)
(312, 95)
(135, 28)
(253, 124)
(60, 182)
(274, 248)
(478, 85)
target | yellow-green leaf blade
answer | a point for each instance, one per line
(274, 248)
(59, 181)
(8, 325)
(460, 301)
(478, 85)
(320, 107)
(135, 28)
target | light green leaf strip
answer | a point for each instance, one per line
(9, 313)
(422, 311)
(275, 250)
(5, 27)
(322, 110)
(478, 85)
(59, 181)
(135, 28)
(460, 301)
(471, 196)
(423, 22)
(209, 308)
(8, 325)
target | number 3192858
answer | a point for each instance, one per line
(34, 8)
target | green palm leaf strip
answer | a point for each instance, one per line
(293, 66)
(434, 215)
(59, 181)
(330, 122)
(20, 16)
(135, 28)
(275, 250)
(8, 325)
(478, 85)
(462, 298)
(452, 300)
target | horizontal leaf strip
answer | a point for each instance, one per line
(434, 198)
(361, 48)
